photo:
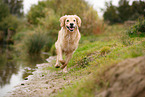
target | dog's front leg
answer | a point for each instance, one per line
(59, 56)
(68, 57)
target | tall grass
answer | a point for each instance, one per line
(34, 43)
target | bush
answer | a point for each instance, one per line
(138, 29)
(34, 43)
(48, 45)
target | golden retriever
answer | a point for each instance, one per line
(68, 39)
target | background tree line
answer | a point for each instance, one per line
(124, 11)
(10, 11)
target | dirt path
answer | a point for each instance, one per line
(43, 82)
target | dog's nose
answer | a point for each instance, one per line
(71, 24)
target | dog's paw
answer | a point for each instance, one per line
(62, 62)
(57, 66)
(63, 66)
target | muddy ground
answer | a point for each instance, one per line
(43, 82)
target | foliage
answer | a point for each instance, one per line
(34, 43)
(4, 10)
(124, 11)
(36, 12)
(15, 6)
(111, 14)
(138, 29)
(9, 22)
(46, 13)
(48, 44)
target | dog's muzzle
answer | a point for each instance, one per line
(71, 27)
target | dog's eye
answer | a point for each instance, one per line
(67, 20)
(74, 20)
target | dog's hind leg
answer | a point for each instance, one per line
(68, 57)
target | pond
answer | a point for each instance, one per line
(16, 67)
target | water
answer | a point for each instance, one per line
(15, 67)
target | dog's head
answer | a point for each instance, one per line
(71, 22)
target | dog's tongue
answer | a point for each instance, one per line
(71, 28)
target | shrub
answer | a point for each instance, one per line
(48, 44)
(34, 43)
(138, 29)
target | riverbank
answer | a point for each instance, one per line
(43, 82)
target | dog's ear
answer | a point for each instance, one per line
(78, 20)
(62, 20)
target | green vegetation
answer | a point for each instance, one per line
(34, 43)
(46, 14)
(94, 58)
(138, 29)
(124, 11)
(9, 21)
(15, 6)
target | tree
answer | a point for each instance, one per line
(138, 8)
(15, 6)
(4, 10)
(111, 13)
(124, 10)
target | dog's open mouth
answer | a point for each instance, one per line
(70, 28)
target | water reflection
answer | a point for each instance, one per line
(14, 67)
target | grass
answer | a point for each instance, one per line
(34, 43)
(94, 57)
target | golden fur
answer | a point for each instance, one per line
(68, 39)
